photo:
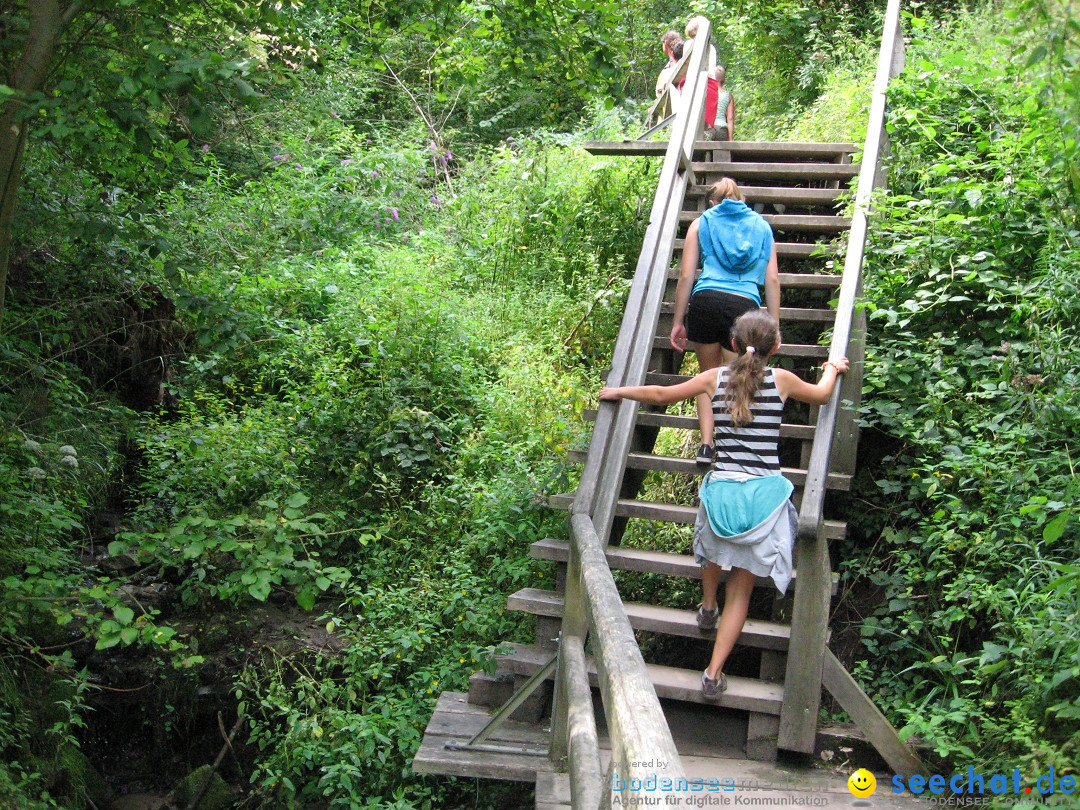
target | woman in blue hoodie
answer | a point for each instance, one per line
(733, 246)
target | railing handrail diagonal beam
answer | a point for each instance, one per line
(637, 728)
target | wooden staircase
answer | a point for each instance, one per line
(629, 488)
(806, 181)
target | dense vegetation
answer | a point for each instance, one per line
(301, 321)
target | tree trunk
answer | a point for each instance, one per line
(47, 19)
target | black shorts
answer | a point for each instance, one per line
(712, 313)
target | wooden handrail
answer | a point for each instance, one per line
(641, 743)
(810, 613)
(583, 746)
(666, 102)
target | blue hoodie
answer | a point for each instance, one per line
(736, 243)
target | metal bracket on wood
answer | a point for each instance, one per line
(477, 743)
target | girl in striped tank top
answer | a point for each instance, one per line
(746, 520)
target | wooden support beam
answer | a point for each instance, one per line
(878, 730)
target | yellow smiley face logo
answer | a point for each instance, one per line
(862, 783)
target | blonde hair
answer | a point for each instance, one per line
(724, 189)
(693, 24)
(721, 74)
(756, 335)
(671, 39)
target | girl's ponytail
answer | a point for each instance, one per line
(755, 335)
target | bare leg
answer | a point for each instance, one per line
(709, 355)
(736, 603)
(710, 581)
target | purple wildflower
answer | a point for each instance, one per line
(434, 200)
(394, 214)
(206, 147)
(299, 166)
(280, 157)
(374, 173)
(346, 161)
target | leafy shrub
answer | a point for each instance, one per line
(971, 371)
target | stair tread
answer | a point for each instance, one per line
(674, 513)
(787, 195)
(798, 171)
(690, 466)
(800, 150)
(655, 619)
(663, 342)
(455, 720)
(788, 250)
(748, 694)
(646, 561)
(797, 314)
(680, 422)
(817, 223)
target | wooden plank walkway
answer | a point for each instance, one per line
(705, 736)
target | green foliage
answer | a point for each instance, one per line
(388, 343)
(971, 369)
(780, 56)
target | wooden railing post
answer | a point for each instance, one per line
(810, 614)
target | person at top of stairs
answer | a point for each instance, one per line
(746, 520)
(672, 45)
(724, 128)
(734, 247)
(712, 87)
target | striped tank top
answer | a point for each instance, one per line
(751, 448)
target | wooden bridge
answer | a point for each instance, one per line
(782, 660)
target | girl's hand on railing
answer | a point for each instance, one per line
(609, 395)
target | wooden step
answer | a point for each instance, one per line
(802, 281)
(680, 422)
(817, 281)
(744, 149)
(748, 694)
(806, 172)
(780, 195)
(455, 720)
(690, 466)
(808, 223)
(654, 619)
(642, 560)
(789, 250)
(675, 513)
(793, 314)
(663, 342)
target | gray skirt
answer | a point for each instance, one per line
(764, 550)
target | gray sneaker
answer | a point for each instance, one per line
(706, 619)
(712, 688)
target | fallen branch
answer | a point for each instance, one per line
(217, 761)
